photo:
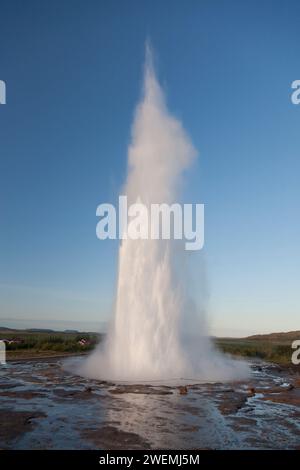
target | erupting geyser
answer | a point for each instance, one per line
(147, 340)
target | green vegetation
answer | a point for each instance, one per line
(275, 347)
(265, 347)
(28, 343)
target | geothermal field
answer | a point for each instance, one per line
(43, 407)
(157, 379)
(149, 240)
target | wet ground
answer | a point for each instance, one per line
(44, 407)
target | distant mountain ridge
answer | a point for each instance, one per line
(38, 330)
(282, 336)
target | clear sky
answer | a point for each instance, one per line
(73, 71)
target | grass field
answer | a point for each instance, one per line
(44, 343)
(275, 347)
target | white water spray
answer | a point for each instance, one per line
(146, 341)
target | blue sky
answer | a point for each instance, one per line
(73, 72)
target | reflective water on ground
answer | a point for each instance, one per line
(44, 407)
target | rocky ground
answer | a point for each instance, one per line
(44, 407)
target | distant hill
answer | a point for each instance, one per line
(45, 331)
(38, 330)
(279, 337)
